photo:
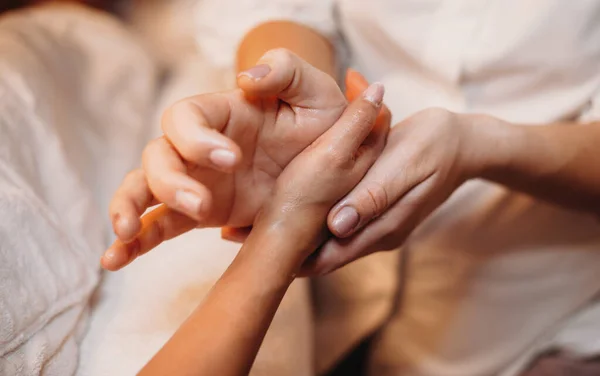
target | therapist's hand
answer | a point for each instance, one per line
(221, 154)
(426, 158)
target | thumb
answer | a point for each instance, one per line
(282, 74)
(356, 83)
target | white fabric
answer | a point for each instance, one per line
(221, 24)
(72, 111)
(493, 277)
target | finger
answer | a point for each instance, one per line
(129, 202)
(193, 127)
(282, 74)
(355, 85)
(371, 195)
(389, 179)
(385, 233)
(347, 135)
(168, 180)
(157, 226)
(235, 234)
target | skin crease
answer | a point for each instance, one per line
(224, 334)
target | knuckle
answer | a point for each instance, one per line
(280, 54)
(364, 115)
(175, 110)
(376, 199)
(336, 159)
(150, 149)
(147, 154)
(435, 115)
(135, 177)
(189, 152)
(155, 184)
(167, 118)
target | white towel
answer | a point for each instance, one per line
(75, 91)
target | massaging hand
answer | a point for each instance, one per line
(427, 157)
(221, 154)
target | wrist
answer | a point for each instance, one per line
(487, 144)
(300, 230)
(282, 240)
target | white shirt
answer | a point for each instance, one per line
(494, 277)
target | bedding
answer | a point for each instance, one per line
(80, 94)
(72, 115)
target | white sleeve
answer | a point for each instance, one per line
(221, 24)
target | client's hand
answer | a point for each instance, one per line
(221, 154)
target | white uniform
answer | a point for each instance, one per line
(494, 277)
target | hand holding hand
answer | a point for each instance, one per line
(427, 157)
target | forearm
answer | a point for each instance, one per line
(303, 41)
(223, 335)
(559, 163)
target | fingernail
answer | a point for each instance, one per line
(113, 259)
(345, 221)
(374, 93)
(189, 202)
(222, 158)
(257, 72)
(126, 227)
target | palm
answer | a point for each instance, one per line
(270, 133)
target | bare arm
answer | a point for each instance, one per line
(223, 335)
(559, 163)
(303, 41)
(430, 154)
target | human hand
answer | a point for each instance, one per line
(221, 154)
(323, 173)
(355, 84)
(427, 156)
